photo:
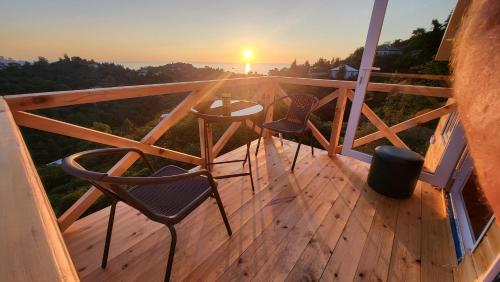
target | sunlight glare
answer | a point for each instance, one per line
(248, 54)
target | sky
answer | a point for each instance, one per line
(202, 31)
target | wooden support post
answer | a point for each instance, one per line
(206, 145)
(201, 134)
(268, 100)
(337, 121)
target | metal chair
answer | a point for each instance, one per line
(167, 196)
(295, 121)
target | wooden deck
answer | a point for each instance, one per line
(320, 223)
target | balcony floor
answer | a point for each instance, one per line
(321, 223)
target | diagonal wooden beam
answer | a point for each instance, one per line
(318, 135)
(327, 99)
(434, 114)
(59, 127)
(231, 130)
(85, 201)
(379, 124)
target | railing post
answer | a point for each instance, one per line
(206, 146)
(337, 121)
(268, 100)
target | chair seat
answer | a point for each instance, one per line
(284, 126)
(176, 199)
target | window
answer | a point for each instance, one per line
(471, 209)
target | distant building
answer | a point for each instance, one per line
(386, 50)
(143, 72)
(350, 72)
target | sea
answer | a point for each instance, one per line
(260, 68)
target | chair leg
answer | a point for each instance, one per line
(296, 154)
(258, 141)
(222, 211)
(171, 254)
(108, 235)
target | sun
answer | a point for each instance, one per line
(248, 54)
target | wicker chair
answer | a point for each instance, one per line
(167, 196)
(295, 121)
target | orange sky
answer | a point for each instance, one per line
(202, 31)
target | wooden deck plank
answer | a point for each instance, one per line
(284, 221)
(405, 260)
(321, 222)
(376, 256)
(313, 208)
(314, 258)
(343, 263)
(437, 264)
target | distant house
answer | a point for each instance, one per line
(143, 72)
(350, 72)
(386, 50)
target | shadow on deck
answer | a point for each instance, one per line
(321, 223)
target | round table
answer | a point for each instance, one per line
(239, 111)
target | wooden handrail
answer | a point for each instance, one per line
(411, 75)
(45, 100)
(202, 90)
(372, 86)
(31, 244)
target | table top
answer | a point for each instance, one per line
(239, 110)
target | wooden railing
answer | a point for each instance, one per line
(31, 244)
(411, 75)
(268, 87)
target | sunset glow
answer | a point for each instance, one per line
(248, 54)
(233, 31)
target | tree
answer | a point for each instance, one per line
(322, 65)
(418, 32)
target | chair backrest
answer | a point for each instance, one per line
(301, 108)
(114, 187)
